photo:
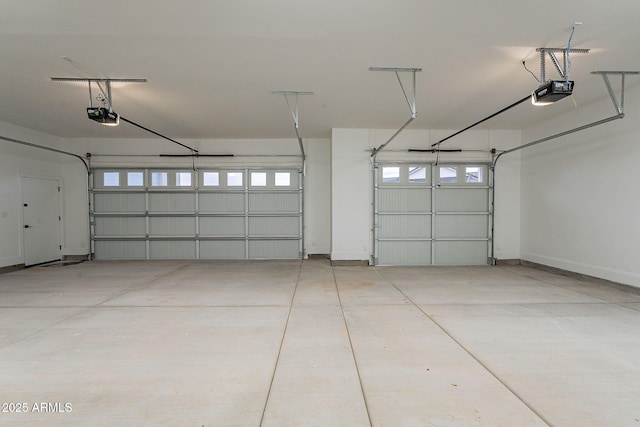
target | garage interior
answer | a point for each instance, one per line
(353, 213)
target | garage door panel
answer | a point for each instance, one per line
(462, 200)
(172, 226)
(124, 202)
(274, 226)
(404, 200)
(404, 253)
(461, 252)
(222, 249)
(274, 249)
(274, 202)
(462, 226)
(171, 202)
(404, 226)
(120, 250)
(120, 226)
(221, 203)
(222, 226)
(172, 249)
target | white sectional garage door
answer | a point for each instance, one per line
(427, 214)
(243, 213)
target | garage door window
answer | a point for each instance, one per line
(159, 179)
(474, 174)
(417, 174)
(135, 179)
(283, 179)
(183, 179)
(234, 179)
(111, 179)
(390, 174)
(258, 179)
(211, 179)
(448, 174)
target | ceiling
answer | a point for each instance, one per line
(211, 65)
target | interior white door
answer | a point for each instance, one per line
(41, 220)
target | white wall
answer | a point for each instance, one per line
(318, 197)
(351, 186)
(580, 194)
(350, 195)
(507, 196)
(17, 161)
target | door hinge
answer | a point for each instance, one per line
(58, 189)
(60, 247)
(59, 218)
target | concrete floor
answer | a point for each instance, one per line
(290, 343)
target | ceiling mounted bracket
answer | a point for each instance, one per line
(103, 115)
(563, 69)
(107, 82)
(410, 102)
(99, 115)
(619, 106)
(295, 111)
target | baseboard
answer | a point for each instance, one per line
(318, 256)
(568, 273)
(349, 263)
(508, 262)
(10, 268)
(587, 270)
(76, 257)
(580, 276)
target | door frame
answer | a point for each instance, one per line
(197, 189)
(433, 186)
(60, 233)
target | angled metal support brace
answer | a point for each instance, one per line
(619, 106)
(295, 112)
(410, 102)
(562, 69)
